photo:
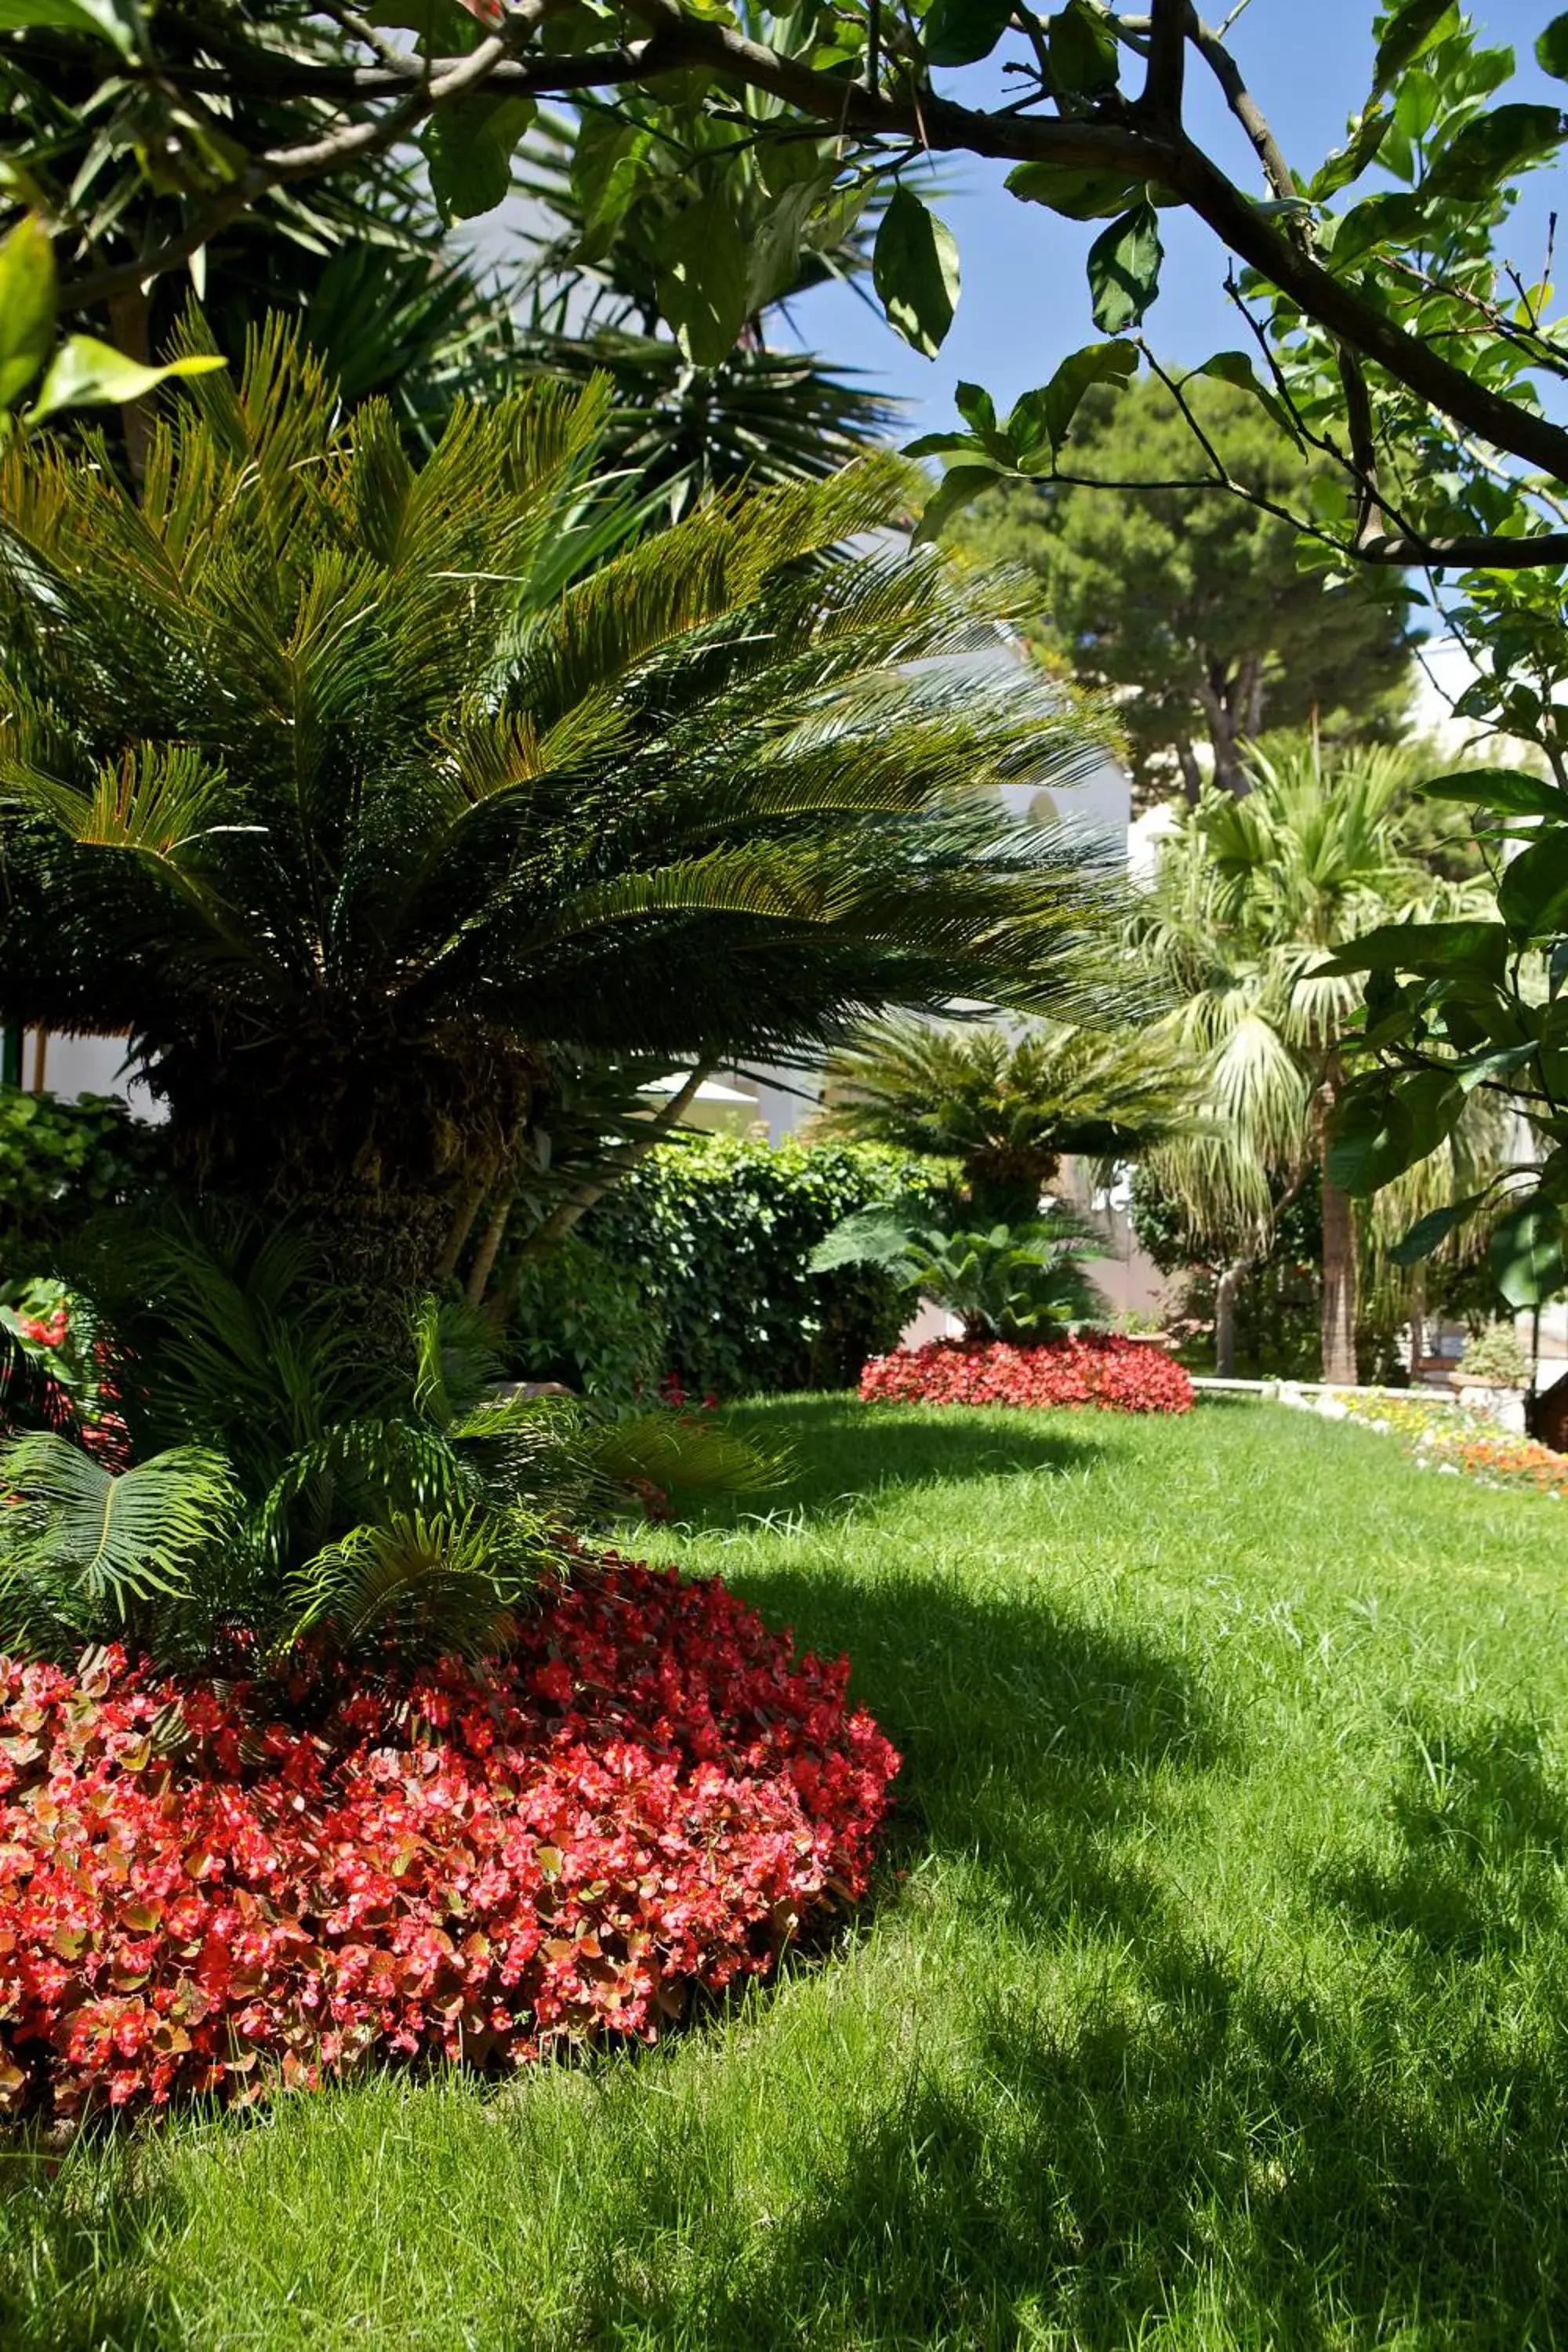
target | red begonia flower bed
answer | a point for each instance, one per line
(204, 1890)
(1096, 1368)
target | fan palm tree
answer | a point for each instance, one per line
(1007, 1104)
(336, 785)
(1251, 898)
(609, 200)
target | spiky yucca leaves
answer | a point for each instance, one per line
(1250, 897)
(327, 782)
(1009, 1105)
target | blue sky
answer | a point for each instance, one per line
(1024, 304)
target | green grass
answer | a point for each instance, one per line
(1216, 1993)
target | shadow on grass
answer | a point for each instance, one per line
(75, 2234)
(841, 1454)
(1233, 2168)
(1481, 1832)
(1025, 1733)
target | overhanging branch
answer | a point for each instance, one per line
(846, 109)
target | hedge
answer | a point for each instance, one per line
(719, 1232)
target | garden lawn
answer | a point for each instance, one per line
(1216, 1992)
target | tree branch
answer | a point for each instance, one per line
(846, 108)
(566, 1214)
(1162, 98)
(1241, 102)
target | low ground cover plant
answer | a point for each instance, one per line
(1096, 1368)
(327, 1737)
(214, 1885)
(1447, 1435)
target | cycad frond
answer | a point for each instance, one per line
(94, 1536)
(686, 1455)
(439, 1584)
(1009, 1105)
(412, 808)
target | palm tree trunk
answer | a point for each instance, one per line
(488, 1249)
(567, 1212)
(1339, 1305)
(128, 315)
(1417, 1323)
(1226, 1291)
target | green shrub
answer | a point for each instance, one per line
(720, 1233)
(1496, 1358)
(60, 1161)
(590, 1320)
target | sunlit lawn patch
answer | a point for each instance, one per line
(1212, 1995)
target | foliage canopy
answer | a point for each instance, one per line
(354, 786)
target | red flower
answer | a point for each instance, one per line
(1096, 1368)
(434, 1867)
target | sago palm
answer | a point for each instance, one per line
(1251, 898)
(1009, 1105)
(342, 788)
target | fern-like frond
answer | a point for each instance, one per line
(439, 1584)
(685, 1455)
(111, 1537)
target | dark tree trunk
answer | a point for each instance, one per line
(1227, 1292)
(376, 1142)
(1192, 774)
(1217, 691)
(128, 325)
(1246, 696)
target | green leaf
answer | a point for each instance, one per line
(1349, 161)
(914, 267)
(1411, 30)
(1435, 947)
(1512, 790)
(961, 32)
(27, 306)
(1489, 147)
(704, 286)
(1534, 892)
(1046, 416)
(1525, 1258)
(1551, 50)
(468, 149)
(1080, 196)
(1235, 368)
(87, 373)
(1124, 269)
(955, 491)
(978, 410)
(1081, 46)
(944, 445)
(1384, 1128)
(1430, 1232)
(1392, 219)
(1504, 1063)
(100, 20)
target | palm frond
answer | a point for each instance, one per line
(681, 1453)
(104, 1537)
(439, 1584)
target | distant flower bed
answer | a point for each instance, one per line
(1095, 1369)
(1447, 1436)
(204, 1888)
